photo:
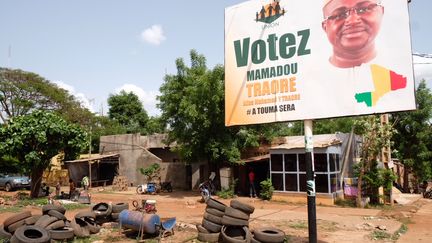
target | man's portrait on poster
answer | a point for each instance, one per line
(351, 27)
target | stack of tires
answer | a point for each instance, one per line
(52, 223)
(88, 222)
(230, 224)
(25, 227)
(210, 228)
(236, 222)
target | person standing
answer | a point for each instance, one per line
(85, 183)
(57, 189)
(71, 188)
(252, 192)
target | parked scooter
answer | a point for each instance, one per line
(207, 188)
(165, 186)
(146, 188)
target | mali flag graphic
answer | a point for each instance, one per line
(385, 81)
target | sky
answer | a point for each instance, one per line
(95, 48)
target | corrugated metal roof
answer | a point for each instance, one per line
(319, 141)
(93, 157)
(256, 158)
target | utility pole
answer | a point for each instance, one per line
(89, 161)
(310, 181)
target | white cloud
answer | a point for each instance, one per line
(85, 102)
(148, 98)
(153, 35)
(423, 69)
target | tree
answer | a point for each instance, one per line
(376, 136)
(192, 105)
(128, 111)
(23, 92)
(413, 144)
(35, 138)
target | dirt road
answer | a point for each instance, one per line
(334, 224)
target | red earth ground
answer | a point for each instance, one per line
(334, 224)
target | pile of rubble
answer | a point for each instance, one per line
(222, 223)
(52, 224)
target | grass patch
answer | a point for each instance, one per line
(299, 225)
(402, 230)
(379, 235)
(73, 206)
(90, 239)
(23, 201)
(345, 203)
(328, 226)
(10, 209)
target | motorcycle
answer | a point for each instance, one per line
(146, 188)
(207, 188)
(165, 186)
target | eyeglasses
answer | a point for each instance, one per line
(360, 10)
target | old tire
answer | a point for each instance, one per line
(45, 221)
(210, 226)
(248, 209)
(118, 207)
(212, 218)
(208, 237)
(215, 212)
(269, 234)
(4, 234)
(253, 240)
(49, 207)
(65, 233)
(55, 225)
(85, 214)
(227, 220)
(235, 234)
(102, 209)
(115, 216)
(56, 214)
(201, 229)
(11, 228)
(32, 220)
(31, 234)
(236, 213)
(213, 203)
(79, 228)
(16, 217)
(8, 187)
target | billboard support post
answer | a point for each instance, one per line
(310, 181)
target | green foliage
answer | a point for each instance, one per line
(346, 203)
(151, 172)
(22, 92)
(376, 136)
(412, 141)
(379, 235)
(128, 111)
(228, 192)
(192, 105)
(267, 189)
(35, 138)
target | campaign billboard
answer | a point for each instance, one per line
(292, 60)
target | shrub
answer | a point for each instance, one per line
(266, 189)
(228, 193)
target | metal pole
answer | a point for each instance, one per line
(310, 181)
(90, 177)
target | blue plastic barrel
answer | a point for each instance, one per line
(136, 220)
